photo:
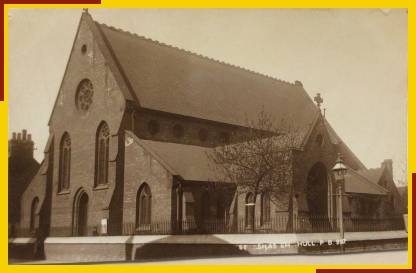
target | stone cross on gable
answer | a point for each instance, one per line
(319, 100)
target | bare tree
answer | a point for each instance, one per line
(259, 160)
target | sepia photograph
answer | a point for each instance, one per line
(207, 136)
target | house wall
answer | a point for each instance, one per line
(392, 204)
(36, 189)
(21, 172)
(22, 168)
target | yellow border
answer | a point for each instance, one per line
(409, 4)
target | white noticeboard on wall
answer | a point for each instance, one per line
(103, 230)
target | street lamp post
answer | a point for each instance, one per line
(339, 171)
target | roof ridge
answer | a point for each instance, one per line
(374, 169)
(296, 83)
(368, 180)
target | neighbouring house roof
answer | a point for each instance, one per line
(355, 182)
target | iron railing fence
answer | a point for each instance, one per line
(54, 232)
(278, 224)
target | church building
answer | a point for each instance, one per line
(129, 134)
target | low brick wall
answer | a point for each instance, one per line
(86, 249)
(357, 246)
(121, 248)
(22, 248)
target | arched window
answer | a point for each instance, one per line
(319, 140)
(64, 162)
(33, 209)
(265, 208)
(101, 154)
(249, 217)
(143, 206)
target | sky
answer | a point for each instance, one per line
(356, 59)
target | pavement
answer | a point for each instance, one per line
(397, 257)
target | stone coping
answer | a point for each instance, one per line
(222, 238)
(22, 240)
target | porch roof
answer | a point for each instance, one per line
(355, 182)
(188, 161)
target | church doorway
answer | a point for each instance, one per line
(81, 214)
(317, 191)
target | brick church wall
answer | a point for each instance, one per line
(312, 153)
(141, 167)
(214, 132)
(108, 105)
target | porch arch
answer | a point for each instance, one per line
(80, 214)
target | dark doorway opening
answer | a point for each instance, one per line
(81, 214)
(317, 197)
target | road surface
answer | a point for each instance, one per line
(398, 257)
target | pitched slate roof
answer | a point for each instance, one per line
(172, 80)
(346, 152)
(188, 161)
(373, 175)
(355, 182)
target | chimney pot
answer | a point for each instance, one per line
(21, 146)
(388, 163)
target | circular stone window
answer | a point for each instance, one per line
(203, 135)
(178, 131)
(153, 127)
(84, 95)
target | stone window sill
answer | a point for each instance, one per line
(63, 192)
(101, 187)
